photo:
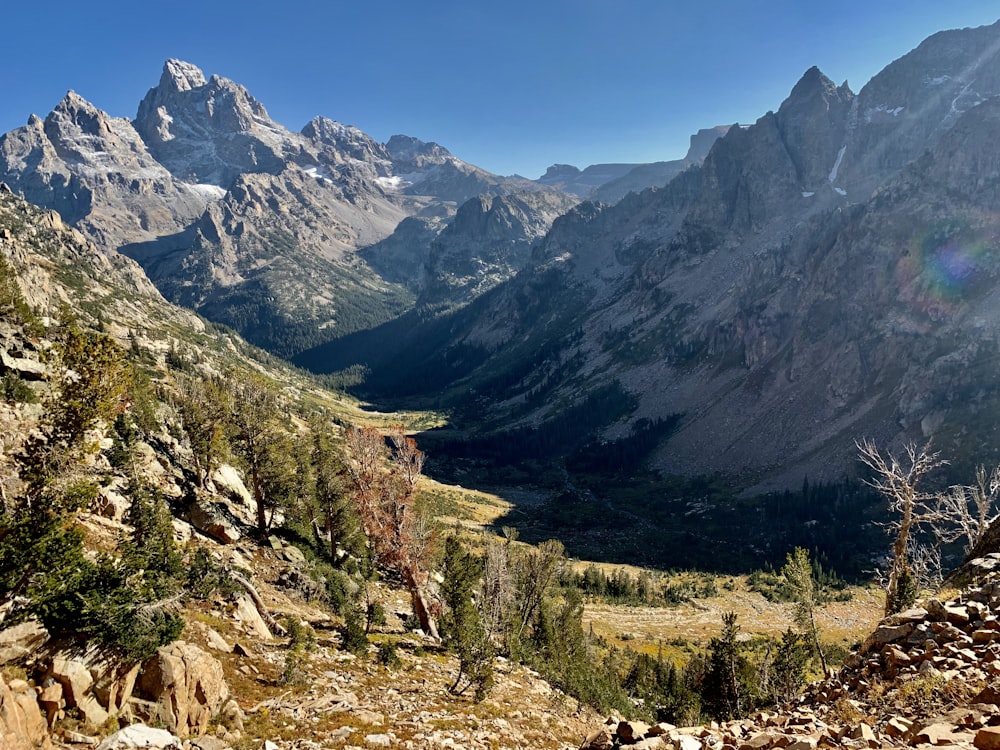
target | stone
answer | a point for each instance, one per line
(208, 742)
(51, 700)
(599, 739)
(632, 731)
(187, 686)
(990, 694)
(378, 740)
(987, 738)
(687, 742)
(887, 634)
(74, 672)
(22, 726)
(19, 641)
(241, 649)
(253, 623)
(24, 368)
(231, 716)
(914, 615)
(659, 729)
(216, 641)
(936, 734)
(865, 734)
(210, 520)
(898, 727)
(141, 736)
(114, 683)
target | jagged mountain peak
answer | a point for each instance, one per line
(815, 85)
(73, 102)
(76, 113)
(208, 131)
(406, 148)
(75, 117)
(321, 127)
(181, 76)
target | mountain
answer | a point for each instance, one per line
(827, 273)
(659, 173)
(582, 182)
(232, 214)
(609, 183)
(487, 241)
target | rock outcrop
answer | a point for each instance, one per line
(22, 726)
(185, 686)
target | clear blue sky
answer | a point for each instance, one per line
(512, 86)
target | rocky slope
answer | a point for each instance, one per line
(924, 677)
(772, 295)
(487, 241)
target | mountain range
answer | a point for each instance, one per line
(826, 273)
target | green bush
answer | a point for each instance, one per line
(387, 655)
(352, 634)
(15, 389)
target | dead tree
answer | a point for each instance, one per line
(385, 485)
(899, 481)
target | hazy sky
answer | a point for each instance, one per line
(511, 86)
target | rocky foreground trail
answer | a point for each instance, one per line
(929, 676)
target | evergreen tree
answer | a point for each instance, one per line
(798, 574)
(724, 691)
(462, 625)
(789, 667)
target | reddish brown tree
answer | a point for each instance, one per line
(385, 475)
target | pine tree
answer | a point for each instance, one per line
(462, 624)
(724, 691)
(798, 574)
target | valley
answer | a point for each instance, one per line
(311, 441)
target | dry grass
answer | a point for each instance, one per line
(695, 622)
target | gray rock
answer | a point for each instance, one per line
(20, 641)
(141, 737)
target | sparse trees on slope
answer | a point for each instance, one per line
(204, 406)
(332, 493)
(949, 515)
(724, 691)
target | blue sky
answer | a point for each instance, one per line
(511, 86)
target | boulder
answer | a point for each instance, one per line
(22, 726)
(19, 641)
(52, 702)
(216, 641)
(187, 686)
(72, 670)
(24, 368)
(141, 737)
(600, 739)
(249, 615)
(630, 732)
(987, 738)
(212, 521)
